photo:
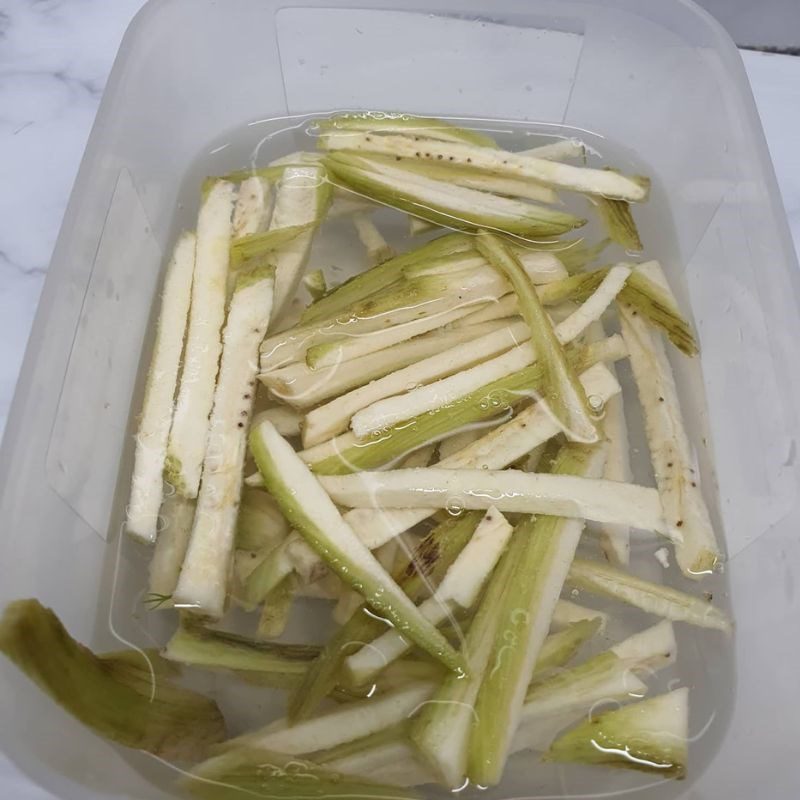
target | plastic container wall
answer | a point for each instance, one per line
(658, 76)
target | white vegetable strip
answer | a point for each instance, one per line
(286, 420)
(390, 411)
(253, 207)
(302, 387)
(499, 448)
(310, 510)
(460, 587)
(147, 484)
(653, 598)
(187, 439)
(343, 724)
(203, 582)
(378, 249)
(510, 491)
(333, 417)
(500, 162)
(673, 463)
(300, 200)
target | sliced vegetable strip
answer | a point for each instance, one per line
(510, 491)
(287, 478)
(651, 736)
(653, 598)
(524, 619)
(562, 390)
(301, 199)
(187, 438)
(162, 378)
(673, 463)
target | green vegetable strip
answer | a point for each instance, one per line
(110, 698)
(253, 773)
(523, 621)
(485, 403)
(649, 736)
(312, 513)
(383, 180)
(562, 390)
(425, 567)
(405, 124)
(360, 286)
(618, 221)
(279, 665)
(654, 598)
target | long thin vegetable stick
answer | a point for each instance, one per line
(187, 439)
(204, 577)
(151, 439)
(524, 619)
(302, 198)
(509, 490)
(287, 478)
(653, 598)
(563, 393)
(500, 162)
(673, 463)
(419, 128)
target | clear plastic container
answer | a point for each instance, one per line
(659, 77)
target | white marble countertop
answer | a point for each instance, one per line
(55, 56)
